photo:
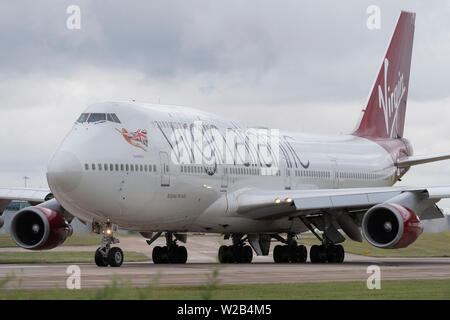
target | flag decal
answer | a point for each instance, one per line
(137, 138)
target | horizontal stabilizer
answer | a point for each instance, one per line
(415, 160)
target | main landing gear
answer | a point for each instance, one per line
(171, 253)
(290, 252)
(107, 255)
(238, 252)
(328, 251)
(331, 253)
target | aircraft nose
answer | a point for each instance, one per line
(64, 171)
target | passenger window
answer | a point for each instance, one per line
(142, 168)
(111, 167)
(121, 167)
(154, 167)
(127, 167)
(99, 167)
(86, 166)
(93, 166)
(106, 167)
(117, 167)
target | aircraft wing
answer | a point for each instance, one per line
(274, 204)
(32, 195)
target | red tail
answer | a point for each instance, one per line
(384, 115)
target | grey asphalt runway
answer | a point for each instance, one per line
(202, 262)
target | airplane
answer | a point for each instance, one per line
(164, 170)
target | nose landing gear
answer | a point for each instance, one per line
(106, 255)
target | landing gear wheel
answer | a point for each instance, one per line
(177, 255)
(230, 256)
(318, 254)
(277, 253)
(115, 257)
(301, 254)
(156, 255)
(332, 253)
(181, 255)
(247, 254)
(340, 253)
(222, 254)
(100, 260)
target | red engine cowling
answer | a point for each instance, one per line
(39, 228)
(391, 226)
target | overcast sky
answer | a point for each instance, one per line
(297, 65)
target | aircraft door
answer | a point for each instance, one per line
(165, 170)
(224, 182)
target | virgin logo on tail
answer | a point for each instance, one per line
(389, 101)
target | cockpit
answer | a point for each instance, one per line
(98, 117)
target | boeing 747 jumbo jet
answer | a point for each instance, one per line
(169, 170)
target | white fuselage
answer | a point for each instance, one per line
(96, 174)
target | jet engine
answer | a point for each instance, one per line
(39, 228)
(391, 226)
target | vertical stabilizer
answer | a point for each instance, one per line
(384, 115)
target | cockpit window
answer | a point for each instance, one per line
(83, 117)
(114, 116)
(94, 117)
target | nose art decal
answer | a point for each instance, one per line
(137, 138)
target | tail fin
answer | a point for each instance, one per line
(384, 115)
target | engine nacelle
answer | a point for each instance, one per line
(39, 228)
(391, 226)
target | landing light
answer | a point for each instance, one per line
(277, 201)
(288, 200)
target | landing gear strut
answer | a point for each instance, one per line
(290, 252)
(107, 255)
(171, 253)
(236, 253)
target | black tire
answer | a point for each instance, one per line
(222, 255)
(247, 254)
(277, 254)
(301, 254)
(318, 254)
(340, 253)
(332, 254)
(182, 255)
(285, 256)
(115, 257)
(230, 254)
(164, 255)
(99, 259)
(156, 255)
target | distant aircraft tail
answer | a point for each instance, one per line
(384, 115)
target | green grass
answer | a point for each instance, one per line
(390, 289)
(61, 257)
(427, 245)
